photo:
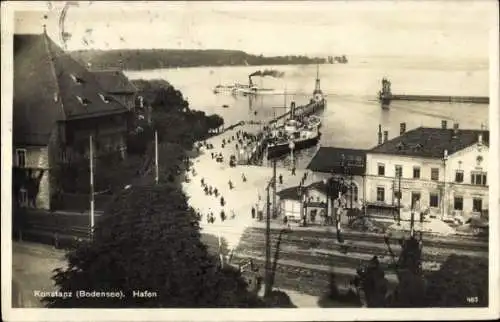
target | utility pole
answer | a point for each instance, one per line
(157, 175)
(399, 199)
(267, 277)
(92, 205)
(274, 189)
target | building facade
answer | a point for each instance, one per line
(440, 170)
(341, 164)
(58, 105)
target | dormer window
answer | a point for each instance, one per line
(418, 147)
(82, 100)
(400, 146)
(104, 98)
(76, 79)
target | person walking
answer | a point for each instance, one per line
(222, 215)
(253, 212)
(280, 178)
(293, 170)
(222, 201)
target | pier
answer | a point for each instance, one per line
(385, 97)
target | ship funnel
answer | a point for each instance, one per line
(292, 110)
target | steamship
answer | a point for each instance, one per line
(293, 135)
(301, 130)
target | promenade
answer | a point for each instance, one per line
(238, 200)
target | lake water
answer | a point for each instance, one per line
(353, 113)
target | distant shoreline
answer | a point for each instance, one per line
(147, 59)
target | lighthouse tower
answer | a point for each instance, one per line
(318, 93)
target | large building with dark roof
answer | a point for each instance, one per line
(117, 86)
(58, 104)
(440, 169)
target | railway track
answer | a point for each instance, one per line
(456, 243)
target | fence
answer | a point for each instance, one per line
(60, 229)
(80, 202)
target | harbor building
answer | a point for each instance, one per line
(332, 164)
(58, 104)
(439, 170)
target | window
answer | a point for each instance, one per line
(433, 200)
(415, 199)
(478, 178)
(23, 197)
(76, 79)
(21, 158)
(63, 156)
(435, 174)
(105, 99)
(477, 204)
(416, 172)
(381, 169)
(458, 203)
(459, 176)
(398, 171)
(82, 100)
(380, 194)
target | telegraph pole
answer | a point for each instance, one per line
(267, 277)
(274, 189)
(157, 175)
(399, 199)
(92, 205)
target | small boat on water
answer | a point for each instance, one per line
(225, 106)
(223, 89)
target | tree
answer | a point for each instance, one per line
(461, 281)
(145, 243)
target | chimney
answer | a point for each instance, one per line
(379, 134)
(386, 136)
(402, 128)
(444, 124)
(455, 129)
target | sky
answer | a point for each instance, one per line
(360, 28)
